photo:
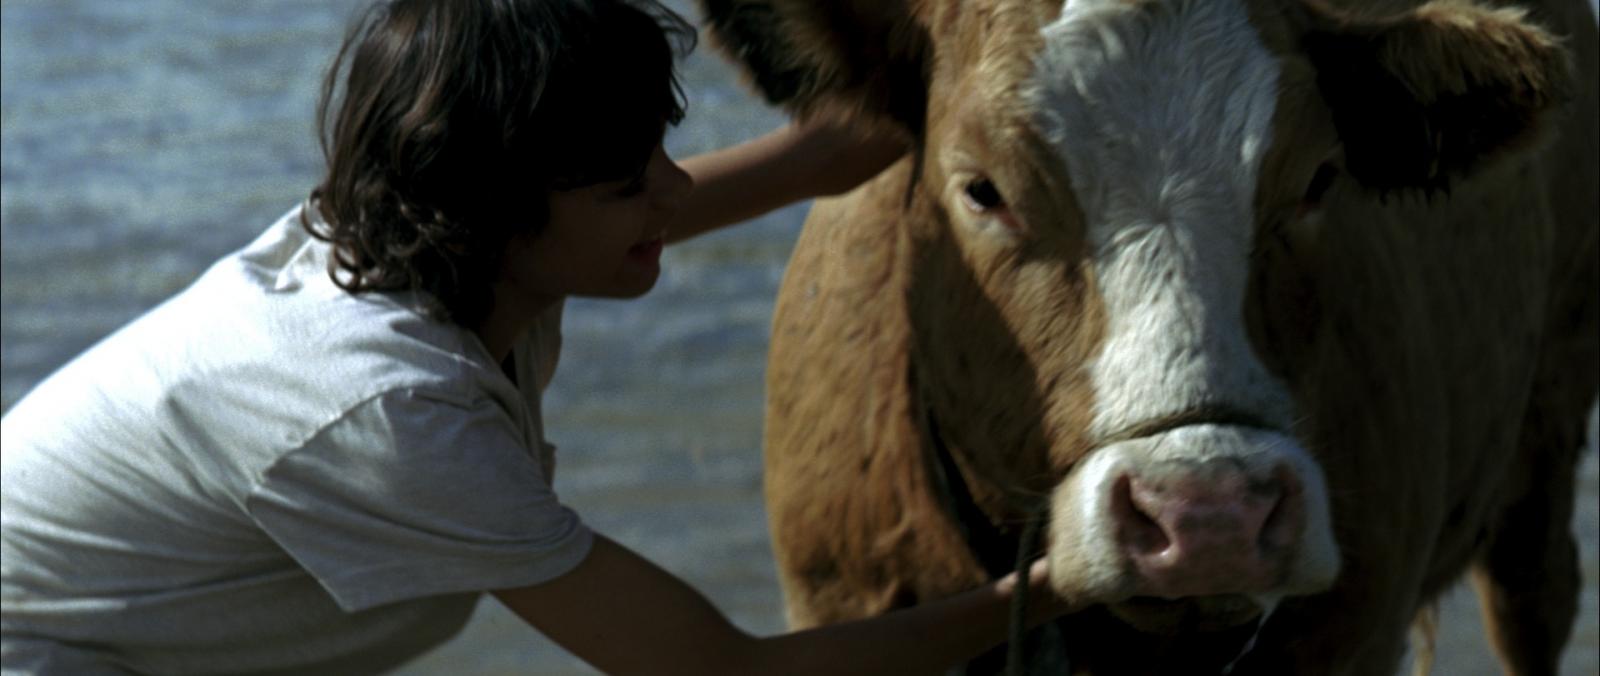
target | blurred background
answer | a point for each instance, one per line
(143, 139)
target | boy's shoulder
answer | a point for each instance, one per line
(266, 334)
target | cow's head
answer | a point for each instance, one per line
(1091, 194)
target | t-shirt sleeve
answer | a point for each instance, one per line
(411, 495)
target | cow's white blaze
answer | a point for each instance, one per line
(1162, 113)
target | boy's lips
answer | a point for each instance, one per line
(648, 250)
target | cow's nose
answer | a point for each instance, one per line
(1208, 530)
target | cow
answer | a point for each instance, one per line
(1280, 316)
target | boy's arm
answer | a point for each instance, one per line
(798, 161)
(623, 615)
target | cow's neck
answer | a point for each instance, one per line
(994, 548)
(972, 379)
(991, 519)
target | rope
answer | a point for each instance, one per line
(987, 542)
(1016, 657)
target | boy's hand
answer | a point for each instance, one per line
(1043, 603)
(800, 161)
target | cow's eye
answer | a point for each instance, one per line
(1320, 182)
(981, 195)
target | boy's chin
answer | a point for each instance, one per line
(628, 290)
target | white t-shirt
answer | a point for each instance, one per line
(268, 474)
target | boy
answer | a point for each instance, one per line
(317, 457)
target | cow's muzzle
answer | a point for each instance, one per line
(1199, 511)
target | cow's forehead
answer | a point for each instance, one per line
(1161, 113)
(1155, 106)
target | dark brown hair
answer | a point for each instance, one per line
(455, 120)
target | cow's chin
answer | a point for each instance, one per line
(1187, 615)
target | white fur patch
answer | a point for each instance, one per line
(1088, 561)
(1161, 113)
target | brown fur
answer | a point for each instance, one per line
(1443, 351)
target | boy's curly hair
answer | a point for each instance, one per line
(458, 117)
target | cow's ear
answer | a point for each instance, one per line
(1425, 97)
(861, 59)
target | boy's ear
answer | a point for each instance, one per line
(860, 60)
(1435, 94)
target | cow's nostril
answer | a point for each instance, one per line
(1204, 528)
(1139, 531)
(1283, 525)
